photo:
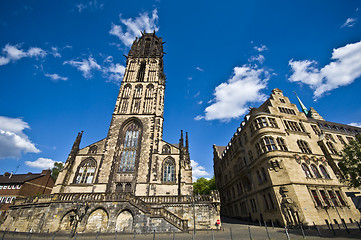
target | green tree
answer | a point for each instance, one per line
(204, 186)
(58, 166)
(350, 163)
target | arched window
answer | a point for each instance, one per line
(93, 150)
(306, 170)
(303, 145)
(268, 144)
(169, 171)
(166, 149)
(324, 172)
(331, 147)
(86, 170)
(130, 147)
(315, 171)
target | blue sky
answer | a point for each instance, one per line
(61, 63)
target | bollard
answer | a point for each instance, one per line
(115, 235)
(96, 237)
(212, 234)
(333, 230)
(303, 233)
(135, 234)
(207, 229)
(75, 235)
(319, 233)
(3, 237)
(287, 235)
(273, 226)
(260, 224)
(173, 234)
(29, 234)
(230, 230)
(250, 235)
(344, 223)
(53, 238)
(359, 227)
(192, 235)
(153, 234)
(265, 225)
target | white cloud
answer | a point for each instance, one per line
(55, 51)
(345, 68)
(55, 77)
(36, 52)
(113, 72)
(189, 78)
(42, 163)
(231, 97)
(200, 102)
(350, 22)
(13, 142)
(261, 48)
(200, 69)
(198, 171)
(90, 5)
(260, 58)
(86, 66)
(135, 27)
(14, 53)
(197, 94)
(355, 124)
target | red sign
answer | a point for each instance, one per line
(218, 222)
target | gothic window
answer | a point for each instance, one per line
(261, 122)
(148, 99)
(141, 72)
(349, 139)
(324, 197)
(166, 149)
(169, 171)
(333, 198)
(340, 198)
(294, 126)
(273, 122)
(85, 173)
(137, 98)
(324, 172)
(329, 137)
(268, 144)
(130, 147)
(281, 144)
(315, 171)
(303, 145)
(93, 150)
(306, 170)
(128, 187)
(331, 147)
(125, 98)
(340, 138)
(315, 129)
(126, 91)
(316, 198)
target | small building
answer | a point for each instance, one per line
(14, 186)
(281, 165)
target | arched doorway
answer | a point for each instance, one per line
(124, 221)
(66, 223)
(97, 220)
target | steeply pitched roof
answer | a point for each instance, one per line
(19, 178)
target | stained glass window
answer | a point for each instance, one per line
(86, 172)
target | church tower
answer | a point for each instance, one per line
(134, 158)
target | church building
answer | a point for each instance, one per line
(132, 180)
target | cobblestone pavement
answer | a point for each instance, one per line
(233, 230)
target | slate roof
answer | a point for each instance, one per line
(19, 178)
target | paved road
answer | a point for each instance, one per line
(239, 231)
